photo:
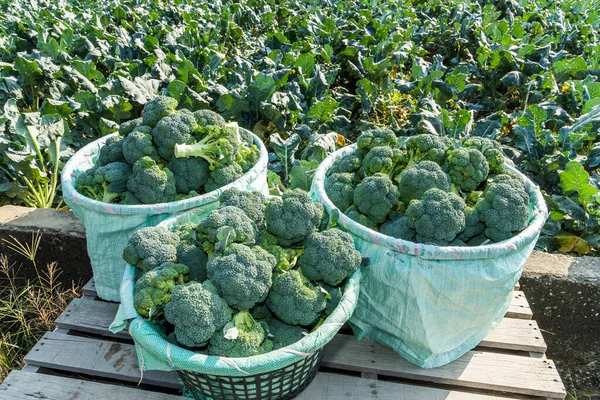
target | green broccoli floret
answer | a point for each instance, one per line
(86, 184)
(190, 173)
(197, 312)
(251, 203)
(293, 216)
(295, 300)
(153, 290)
(375, 196)
(222, 176)
(419, 178)
(150, 247)
(351, 162)
(112, 151)
(285, 257)
(335, 295)
(217, 145)
(473, 225)
(174, 129)
(479, 240)
(242, 337)
(467, 168)
(329, 256)
(191, 253)
(137, 145)
(227, 225)
(126, 127)
(206, 118)
(437, 217)
(427, 147)
(115, 175)
(247, 155)
(261, 312)
(491, 150)
(376, 137)
(151, 183)
(508, 178)
(158, 108)
(355, 215)
(399, 228)
(381, 159)
(340, 189)
(242, 275)
(282, 334)
(504, 211)
(457, 243)
(129, 199)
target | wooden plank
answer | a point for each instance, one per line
(94, 316)
(89, 289)
(327, 386)
(21, 385)
(476, 369)
(516, 334)
(519, 307)
(95, 357)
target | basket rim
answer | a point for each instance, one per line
(429, 251)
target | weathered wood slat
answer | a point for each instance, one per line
(476, 369)
(100, 358)
(89, 289)
(489, 371)
(21, 385)
(328, 386)
(519, 307)
(516, 334)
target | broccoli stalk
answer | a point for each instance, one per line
(242, 337)
(218, 146)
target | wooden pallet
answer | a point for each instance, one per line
(83, 360)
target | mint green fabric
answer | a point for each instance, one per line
(108, 227)
(156, 353)
(432, 304)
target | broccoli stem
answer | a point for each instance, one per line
(243, 319)
(205, 148)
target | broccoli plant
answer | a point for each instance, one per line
(149, 247)
(176, 128)
(419, 178)
(151, 183)
(227, 225)
(329, 257)
(127, 127)
(490, 149)
(375, 138)
(153, 290)
(375, 196)
(190, 173)
(241, 337)
(473, 225)
(137, 145)
(158, 108)
(223, 175)
(112, 151)
(467, 168)
(349, 163)
(381, 159)
(197, 312)
(340, 189)
(427, 147)
(251, 203)
(504, 210)
(191, 253)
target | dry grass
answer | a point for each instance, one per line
(28, 308)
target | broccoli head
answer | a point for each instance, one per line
(227, 225)
(427, 147)
(191, 253)
(340, 189)
(381, 159)
(490, 149)
(282, 334)
(351, 162)
(190, 173)
(241, 337)
(355, 215)
(473, 225)
(153, 290)
(375, 196)
(127, 127)
(295, 300)
(177, 128)
(251, 203)
(217, 145)
(129, 199)
(137, 145)
(419, 178)
(86, 184)
(197, 312)
(467, 168)
(293, 216)
(247, 155)
(114, 175)
(112, 151)
(504, 211)
(399, 228)
(150, 247)
(329, 257)
(223, 175)
(242, 275)
(151, 183)
(375, 138)
(205, 118)
(437, 217)
(158, 108)
(508, 178)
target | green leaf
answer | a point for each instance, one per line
(576, 179)
(323, 111)
(302, 174)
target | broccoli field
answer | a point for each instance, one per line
(308, 77)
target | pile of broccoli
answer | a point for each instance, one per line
(254, 275)
(168, 154)
(429, 189)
